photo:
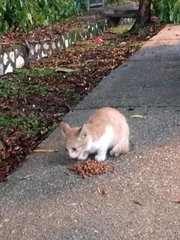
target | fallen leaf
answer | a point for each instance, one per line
(98, 40)
(122, 43)
(137, 203)
(103, 192)
(137, 116)
(45, 150)
(65, 70)
(24, 177)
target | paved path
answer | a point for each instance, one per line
(141, 196)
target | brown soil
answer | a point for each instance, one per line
(17, 36)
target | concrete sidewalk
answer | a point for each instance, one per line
(141, 199)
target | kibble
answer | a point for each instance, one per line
(91, 167)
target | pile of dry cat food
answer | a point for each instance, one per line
(91, 167)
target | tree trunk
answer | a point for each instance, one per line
(144, 12)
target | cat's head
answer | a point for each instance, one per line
(76, 139)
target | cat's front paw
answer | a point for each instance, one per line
(112, 153)
(100, 158)
(83, 156)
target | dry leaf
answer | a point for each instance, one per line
(24, 177)
(65, 70)
(137, 116)
(137, 203)
(103, 192)
(45, 150)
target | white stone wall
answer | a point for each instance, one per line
(20, 55)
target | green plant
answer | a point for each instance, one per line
(6, 88)
(23, 83)
(168, 10)
(24, 73)
(176, 16)
(118, 2)
(73, 94)
(26, 125)
(27, 14)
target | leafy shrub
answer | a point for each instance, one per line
(168, 10)
(176, 16)
(117, 2)
(27, 14)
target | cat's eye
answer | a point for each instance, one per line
(74, 149)
(66, 149)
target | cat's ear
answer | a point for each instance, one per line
(83, 132)
(64, 128)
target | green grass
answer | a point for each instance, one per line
(23, 83)
(22, 73)
(121, 29)
(74, 95)
(27, 125)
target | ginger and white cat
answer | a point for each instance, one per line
(105, 130)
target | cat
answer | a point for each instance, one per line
(106, 130)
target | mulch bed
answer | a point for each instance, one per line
(91, 63)
(17, 36)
